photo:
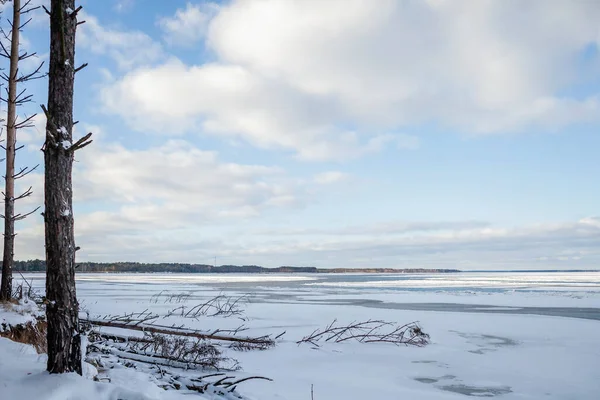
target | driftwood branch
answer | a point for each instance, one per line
(178, 332)
(370, 331)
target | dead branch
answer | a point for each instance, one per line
(370, 331)
(177, 331)
(82, 66)
(19, 217)
(25, 123)
(24, 171)
(218, 306)
(25, 194)
(32, 75)
(81, 143)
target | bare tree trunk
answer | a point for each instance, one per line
(64, 340)
(11, 134)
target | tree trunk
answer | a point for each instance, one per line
(11, 134)
(62, 310)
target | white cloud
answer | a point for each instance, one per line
(475, 66)
(230, 100)
(127, 48)
(297, 75)
(188, 26)
(470, 245)
(177, 181)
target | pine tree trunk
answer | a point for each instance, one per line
(62, 310)
(11, 133)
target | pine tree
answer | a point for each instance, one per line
(64, 339)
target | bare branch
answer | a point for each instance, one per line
(5, 53)
(81, 143)
(19, 217)
(25, 194)
(82, 66)
(32, 75)
(26, 22)
(370, 331)
(25, 171)
(74, 13)
(25, 123)
(30, 10)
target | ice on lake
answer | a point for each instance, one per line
(501, 335)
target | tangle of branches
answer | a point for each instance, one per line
(370, 331)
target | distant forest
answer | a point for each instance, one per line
(40, 266)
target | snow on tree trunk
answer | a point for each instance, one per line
(64, 339)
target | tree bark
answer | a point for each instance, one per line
(64, 340)
(11, 135)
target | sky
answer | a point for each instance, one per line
(339, 133)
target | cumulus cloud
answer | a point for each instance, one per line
(231, 100)
(330, 80)
(176, 184)
(479, 67)
(335, 80)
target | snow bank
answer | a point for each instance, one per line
(23, 376)
(17, 314)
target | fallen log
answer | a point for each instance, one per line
(265, 341)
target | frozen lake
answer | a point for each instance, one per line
(505, 335)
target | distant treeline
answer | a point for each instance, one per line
(40, 266)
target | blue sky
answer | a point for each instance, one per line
(348, 133)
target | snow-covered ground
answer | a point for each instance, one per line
(491, 340)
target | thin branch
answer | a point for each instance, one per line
(81, 67)
(25, 123)
(30, 9)
(25, 194)
(26, 22)
(4, 52)
(19, 217)
(25, 171)
(32, 75)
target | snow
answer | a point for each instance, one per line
(62, 130)
(489, 353)
(66, 212)
(17, 314)
(23, 376)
